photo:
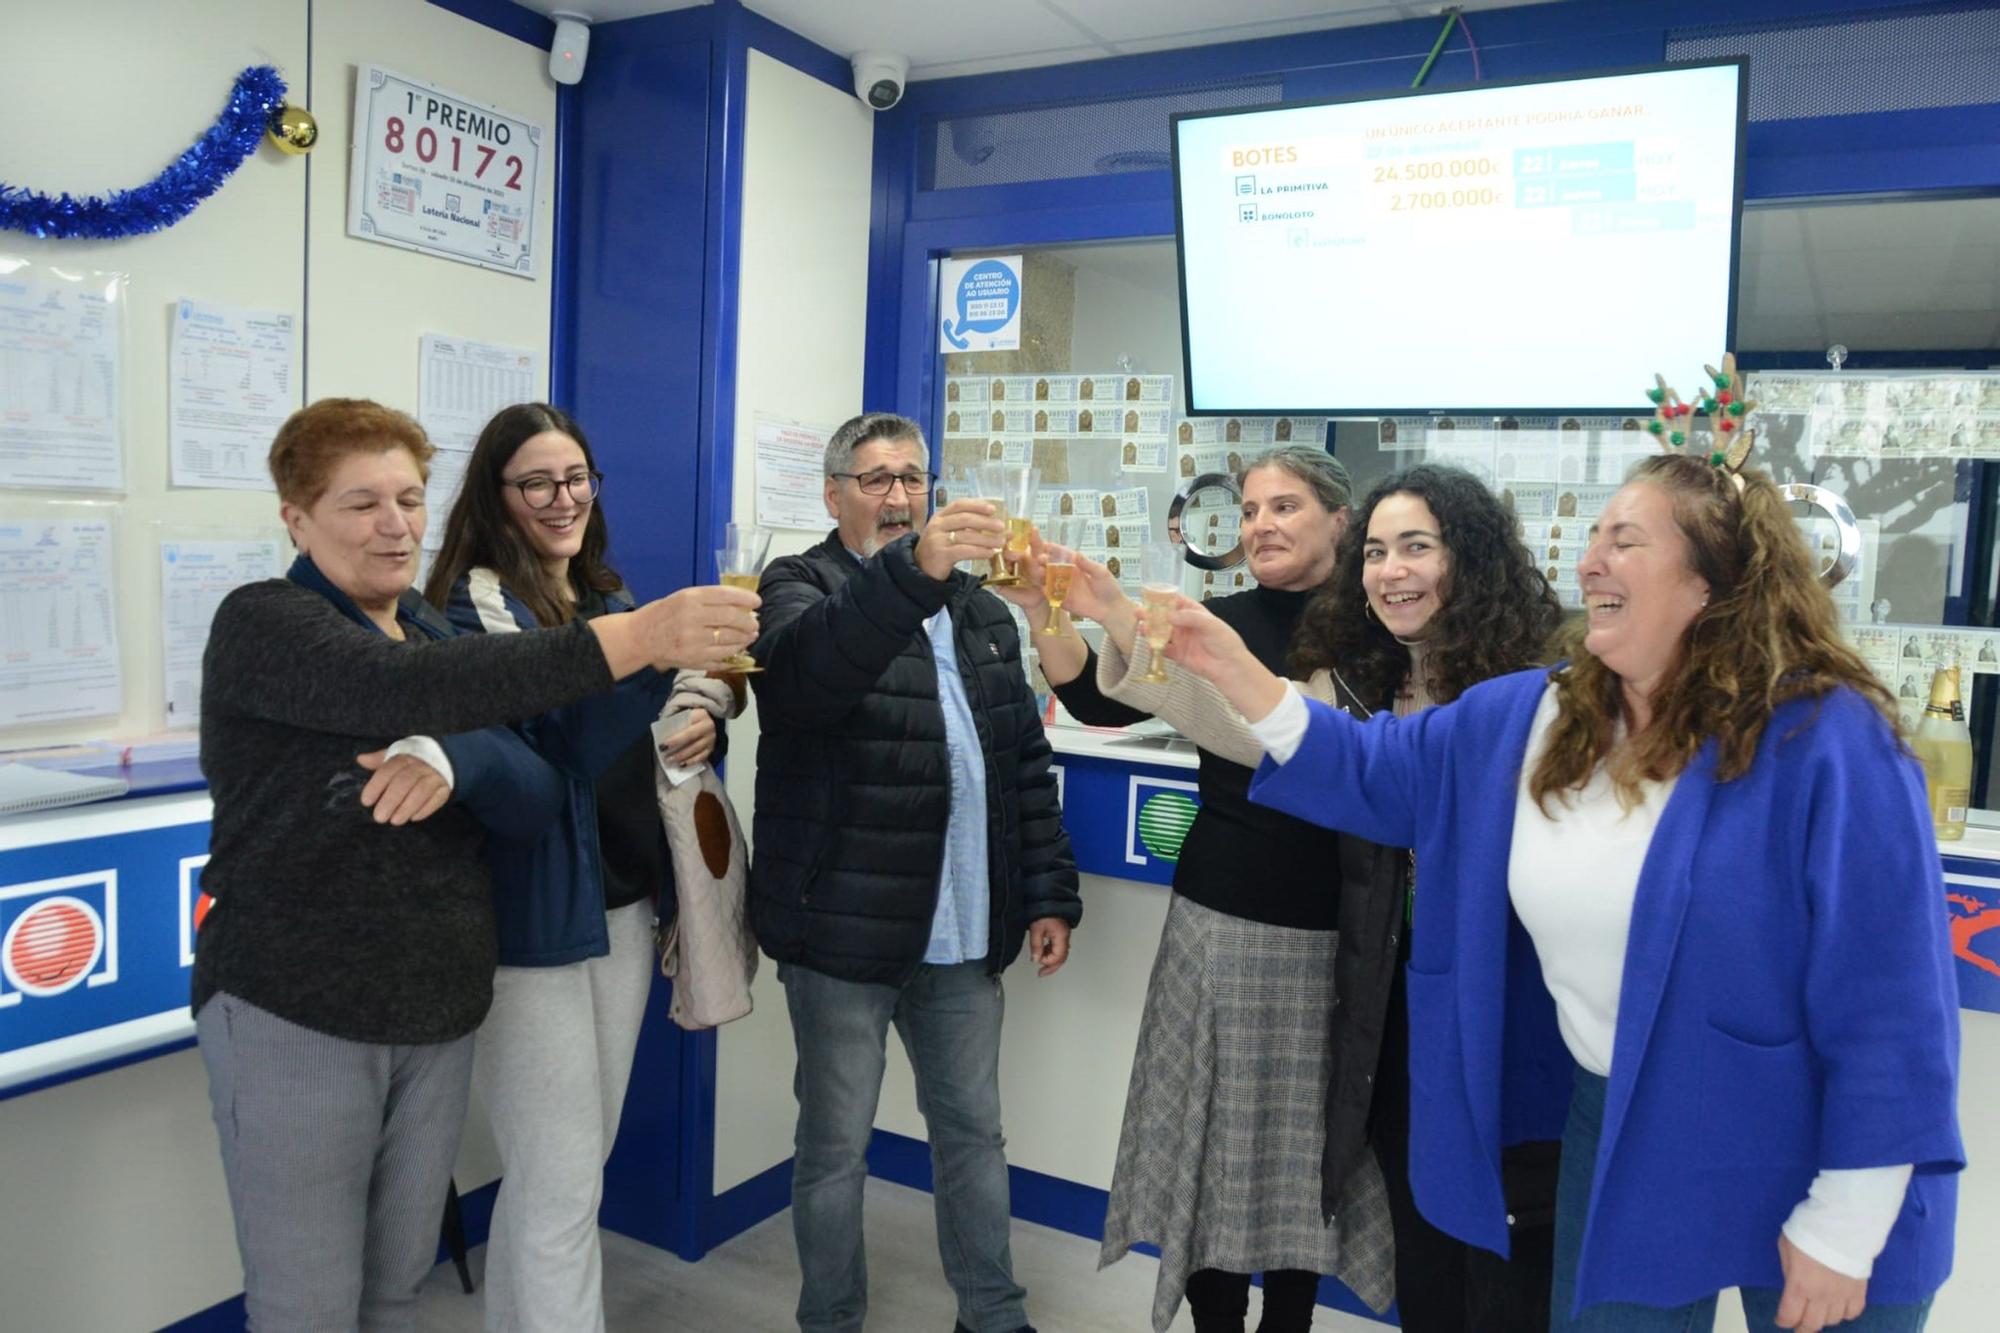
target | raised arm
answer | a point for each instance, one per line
(1355, 777)
(822, 652)
(1196, 706)
(1068, 664)
(583, 738)
(283, 654)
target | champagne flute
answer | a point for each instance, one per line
(740, 563)
(1059, 568)
(1160, 589)
(1009, 488)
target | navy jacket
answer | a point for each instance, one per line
(1788, 1002)
(548, 882)
(853, 780)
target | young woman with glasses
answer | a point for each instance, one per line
(524, 549)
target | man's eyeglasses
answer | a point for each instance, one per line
(539, 491)
(878, 483)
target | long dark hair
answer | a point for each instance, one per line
(1496, 614)
(481, 531)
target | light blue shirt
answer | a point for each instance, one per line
(960, 930)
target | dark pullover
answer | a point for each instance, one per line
(322, 916)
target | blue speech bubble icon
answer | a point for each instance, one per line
(989, 296)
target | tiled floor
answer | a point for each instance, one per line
(751, 1283)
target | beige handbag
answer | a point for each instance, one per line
(707, 950)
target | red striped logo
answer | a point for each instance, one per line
(52, 946)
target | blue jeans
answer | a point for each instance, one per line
(1760, 1304)
(949, 1021)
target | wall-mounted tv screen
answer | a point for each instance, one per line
(1520, 247)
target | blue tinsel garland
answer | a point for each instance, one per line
(169, 196)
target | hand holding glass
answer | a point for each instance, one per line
(740, 563)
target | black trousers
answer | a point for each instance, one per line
(1444, 1285)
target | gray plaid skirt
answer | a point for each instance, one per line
(1219, 1153)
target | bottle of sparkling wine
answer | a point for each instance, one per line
(1944, 745)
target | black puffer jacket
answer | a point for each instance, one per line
(853, 777)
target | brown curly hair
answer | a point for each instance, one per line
(1498, 613)
(1769, 635)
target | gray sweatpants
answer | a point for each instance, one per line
(554, 1057)
(337, 1155)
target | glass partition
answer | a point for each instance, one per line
(1906, 431)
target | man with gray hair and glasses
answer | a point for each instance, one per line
(908, 837)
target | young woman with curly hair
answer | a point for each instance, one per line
(1739, 993)
(1424, 593)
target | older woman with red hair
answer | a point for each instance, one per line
(349, 954)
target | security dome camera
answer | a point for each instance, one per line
(879, 78)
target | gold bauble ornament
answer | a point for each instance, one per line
(293, 130)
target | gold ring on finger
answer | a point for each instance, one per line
(716, 635)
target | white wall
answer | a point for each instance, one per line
(801, 317)
(130, 1227)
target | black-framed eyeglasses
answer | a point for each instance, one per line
(539, 491)
(878, 483)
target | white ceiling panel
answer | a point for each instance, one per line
(1125, 21)
(949, 38)
(929, 33)
(610, 11)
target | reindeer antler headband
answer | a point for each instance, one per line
(1727, 410)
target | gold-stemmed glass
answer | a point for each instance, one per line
(1058, 568)
(1160, 588)
(739, 564)
(1010, 489)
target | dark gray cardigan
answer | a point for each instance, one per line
(322, 916)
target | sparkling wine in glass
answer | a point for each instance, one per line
(1010, 489)
(739, 564)
(1159, 591)
(1058, 569)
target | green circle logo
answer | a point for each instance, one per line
(1164, 821)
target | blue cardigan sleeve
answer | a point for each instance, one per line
(1881, 993)
(582, 739)
(1362, 778)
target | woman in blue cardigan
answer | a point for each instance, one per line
(1685, 887)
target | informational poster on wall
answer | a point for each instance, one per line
(790, 481)
(229, 388)
(60, 365)
(58, 621)
(194, 578)
(979, 304)
(439, 173)
(460, 385)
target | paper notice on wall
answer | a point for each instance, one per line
(58, 621)
(229, 388)
(60, 366)
(791, 483)
(460, 385)
(194, 578)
